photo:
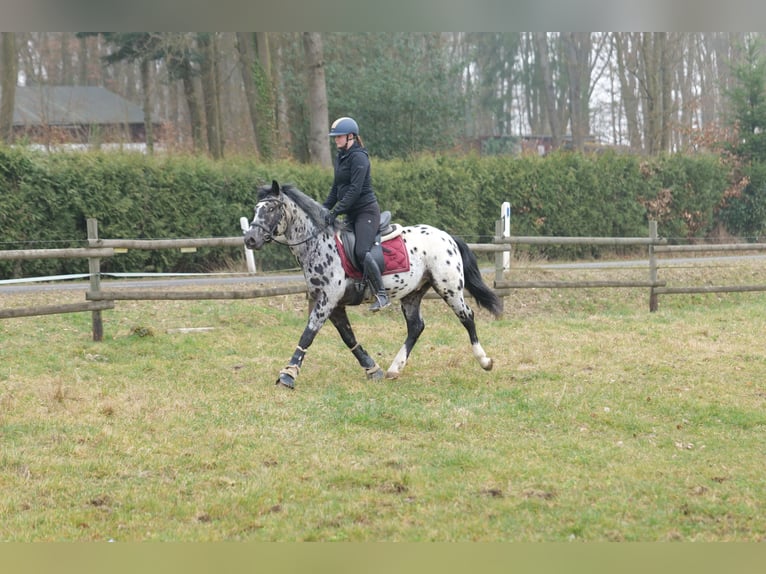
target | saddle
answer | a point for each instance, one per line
(388, 250)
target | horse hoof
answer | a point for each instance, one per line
(286, 381)
(486, 364)
(376, 375)
(392, 375)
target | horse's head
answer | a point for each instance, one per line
(269, 213)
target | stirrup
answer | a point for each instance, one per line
(381, 302)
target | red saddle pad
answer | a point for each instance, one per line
(394, 253)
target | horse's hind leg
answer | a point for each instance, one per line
(467, 319)
(457, 302)
(415, 326)
(339, 318)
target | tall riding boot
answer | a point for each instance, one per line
(374, 277)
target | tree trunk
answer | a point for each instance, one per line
(264, 84)
(263, 51)
(195, 115)
(577, 46)
(247, 69)
(726, 46)
(174, 113)
(282, 106)
(146, 86)
(8, 86)
(627, 69)
(666, 91)
(652, 60)
(210, 94)
(254, 56)
(319, 148)
(66, 60)
(82, 58)
(532, 84)
(685, 81)
(549, 92)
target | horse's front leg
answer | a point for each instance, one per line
(339, 318)
(317, 317)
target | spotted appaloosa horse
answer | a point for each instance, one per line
(436, 259)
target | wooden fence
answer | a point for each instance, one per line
(655, 245)
(501, 244)
(98, 299)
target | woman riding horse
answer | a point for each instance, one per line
(352, 195)
(437, 261)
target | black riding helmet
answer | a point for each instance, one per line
(344, 126)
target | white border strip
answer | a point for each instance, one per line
(117, 275)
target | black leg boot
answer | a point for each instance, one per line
(374, 277)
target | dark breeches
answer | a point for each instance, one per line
(366, 223)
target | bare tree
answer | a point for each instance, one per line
(281, 105)
(8, 86)
(82, 60)
(577, 49)
(179, 51)
(728, 50)
(531, 85)
(319, 150)
(626, 53)
(265, 92)
(210, 92)
(67, 76)
(664, 88)
(549, 92)
(247, 64)
(656, 82)
(254, 58)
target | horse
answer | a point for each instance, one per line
(437, 260)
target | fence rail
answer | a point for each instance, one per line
(55, 309)
(70, 253)
(708, 247)
(167, 243)
(98, 299)
(573, 284)
(154, 295)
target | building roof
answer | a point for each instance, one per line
(72, 105)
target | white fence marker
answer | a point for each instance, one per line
(505, 216)
(249, 257)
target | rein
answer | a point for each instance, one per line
(288, 244)
(268, 233)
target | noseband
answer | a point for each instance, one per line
(268, 234)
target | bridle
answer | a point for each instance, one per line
(268, 234)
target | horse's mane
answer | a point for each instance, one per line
(312, 208)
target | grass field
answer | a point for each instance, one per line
(600, 422)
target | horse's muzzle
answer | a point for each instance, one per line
(254, 238)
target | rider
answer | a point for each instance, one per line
(351, 194)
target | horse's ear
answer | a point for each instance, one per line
(274, 187)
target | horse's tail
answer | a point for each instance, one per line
(474, 282)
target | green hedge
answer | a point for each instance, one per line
(45, 200)
(562, 194)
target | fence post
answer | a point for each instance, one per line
(245, 225)
(653, 304)
(505, 216)
(94, 268)
(498, 254)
